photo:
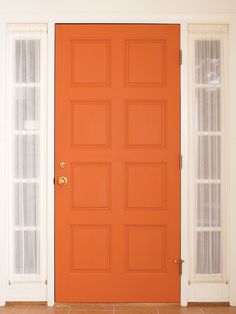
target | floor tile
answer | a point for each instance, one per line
(180, 311)
(37, 310)
(91, 306)
(58, 310)
(137, 311)
(151, 307)
(13, 310)
(167, 304)
(119, 308)
(219, 309)
(47, 310)
(78, 311)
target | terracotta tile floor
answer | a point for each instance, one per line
(117, 308)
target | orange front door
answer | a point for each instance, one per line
(118, 132)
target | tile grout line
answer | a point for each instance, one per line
(157, 309)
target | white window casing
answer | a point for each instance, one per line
(26, 112)
(208, 199)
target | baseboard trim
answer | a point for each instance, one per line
(26, 303)
(208, 303)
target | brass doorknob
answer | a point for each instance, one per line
(62, 181)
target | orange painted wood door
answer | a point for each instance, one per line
(118, 131)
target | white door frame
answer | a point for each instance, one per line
(108, 17)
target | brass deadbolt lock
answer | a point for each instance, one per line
(62, 164)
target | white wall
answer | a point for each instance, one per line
(135, 6)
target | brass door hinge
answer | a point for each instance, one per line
(181, 266)
(180, 57)
(180, 161)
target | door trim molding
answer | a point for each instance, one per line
(50, 165)
(184, 114)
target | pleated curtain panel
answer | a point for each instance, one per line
(208, 147)
(26, 157)
(27, 235)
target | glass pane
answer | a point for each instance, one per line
(208, 205)
(209, 157)
(207, 62)
(27, 252)
(27, 58)
(26, 152)
(208, 113)
(27, 108)
(208, 252)
(26, 204)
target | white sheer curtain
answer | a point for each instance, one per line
(208, 138)
(26, 59)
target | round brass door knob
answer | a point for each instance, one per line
(62, 181)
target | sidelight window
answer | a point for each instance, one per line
(209, 151)
(27, 102)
